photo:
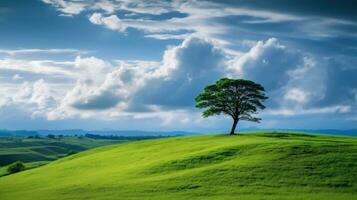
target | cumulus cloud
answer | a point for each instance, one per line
(35, 98)
(296, 82)
(91, 69)
(259, 57)
(88, 96)
(85, 99)
(105, 91)
(267, 62)
(217, 39)
(122, 88)
(292, 78)
(39, 93)
(186, 69)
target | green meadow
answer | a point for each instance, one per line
(37, 151)
(266, 165)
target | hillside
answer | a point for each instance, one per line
(37, 149)
(248, 166)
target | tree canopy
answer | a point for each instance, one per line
(16, 167)
(237, 98)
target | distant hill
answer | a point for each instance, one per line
(43, 149)
(95, 132)
(248, 166)
(349, 132)
(30, 149)
(6, 133)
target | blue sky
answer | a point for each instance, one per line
(127, 64)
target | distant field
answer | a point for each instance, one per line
(248, 166)
(39, 151)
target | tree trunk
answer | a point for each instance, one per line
(235, 122)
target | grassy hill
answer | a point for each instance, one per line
(44, 149)
(248, 166)
(37, 151)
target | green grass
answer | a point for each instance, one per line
(31, 150)
(248, 166)
(28, 165)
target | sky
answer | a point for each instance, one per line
(138, 65)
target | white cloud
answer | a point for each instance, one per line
(112, 22)
(200, 20)
(13, 52)
(310, 111)
(216, 42)
(68, 7)
(47, 67)
(91, 69)
(135, 87)
(297, 95)
(40, 94)
(35, 98)
(104, 92)
(307, 82)
(107, 6)
(292, 78)
(136, 6)
(164, 90)
(185, 70)
(254, 55)
(169, 36)
(204, 18)
(96, 18)
(17, 77)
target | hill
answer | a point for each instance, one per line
(35, 151)
(76, 132)
(248, 166)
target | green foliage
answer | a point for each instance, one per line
(237, 98)
(16, 167)
(249, 166)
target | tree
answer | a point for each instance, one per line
(237, 98)
(16, 167)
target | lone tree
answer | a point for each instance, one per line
(237, 98)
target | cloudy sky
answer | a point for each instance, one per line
(130, 64)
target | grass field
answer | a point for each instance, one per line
(44, 149)
(247, 166)
(37, 151)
